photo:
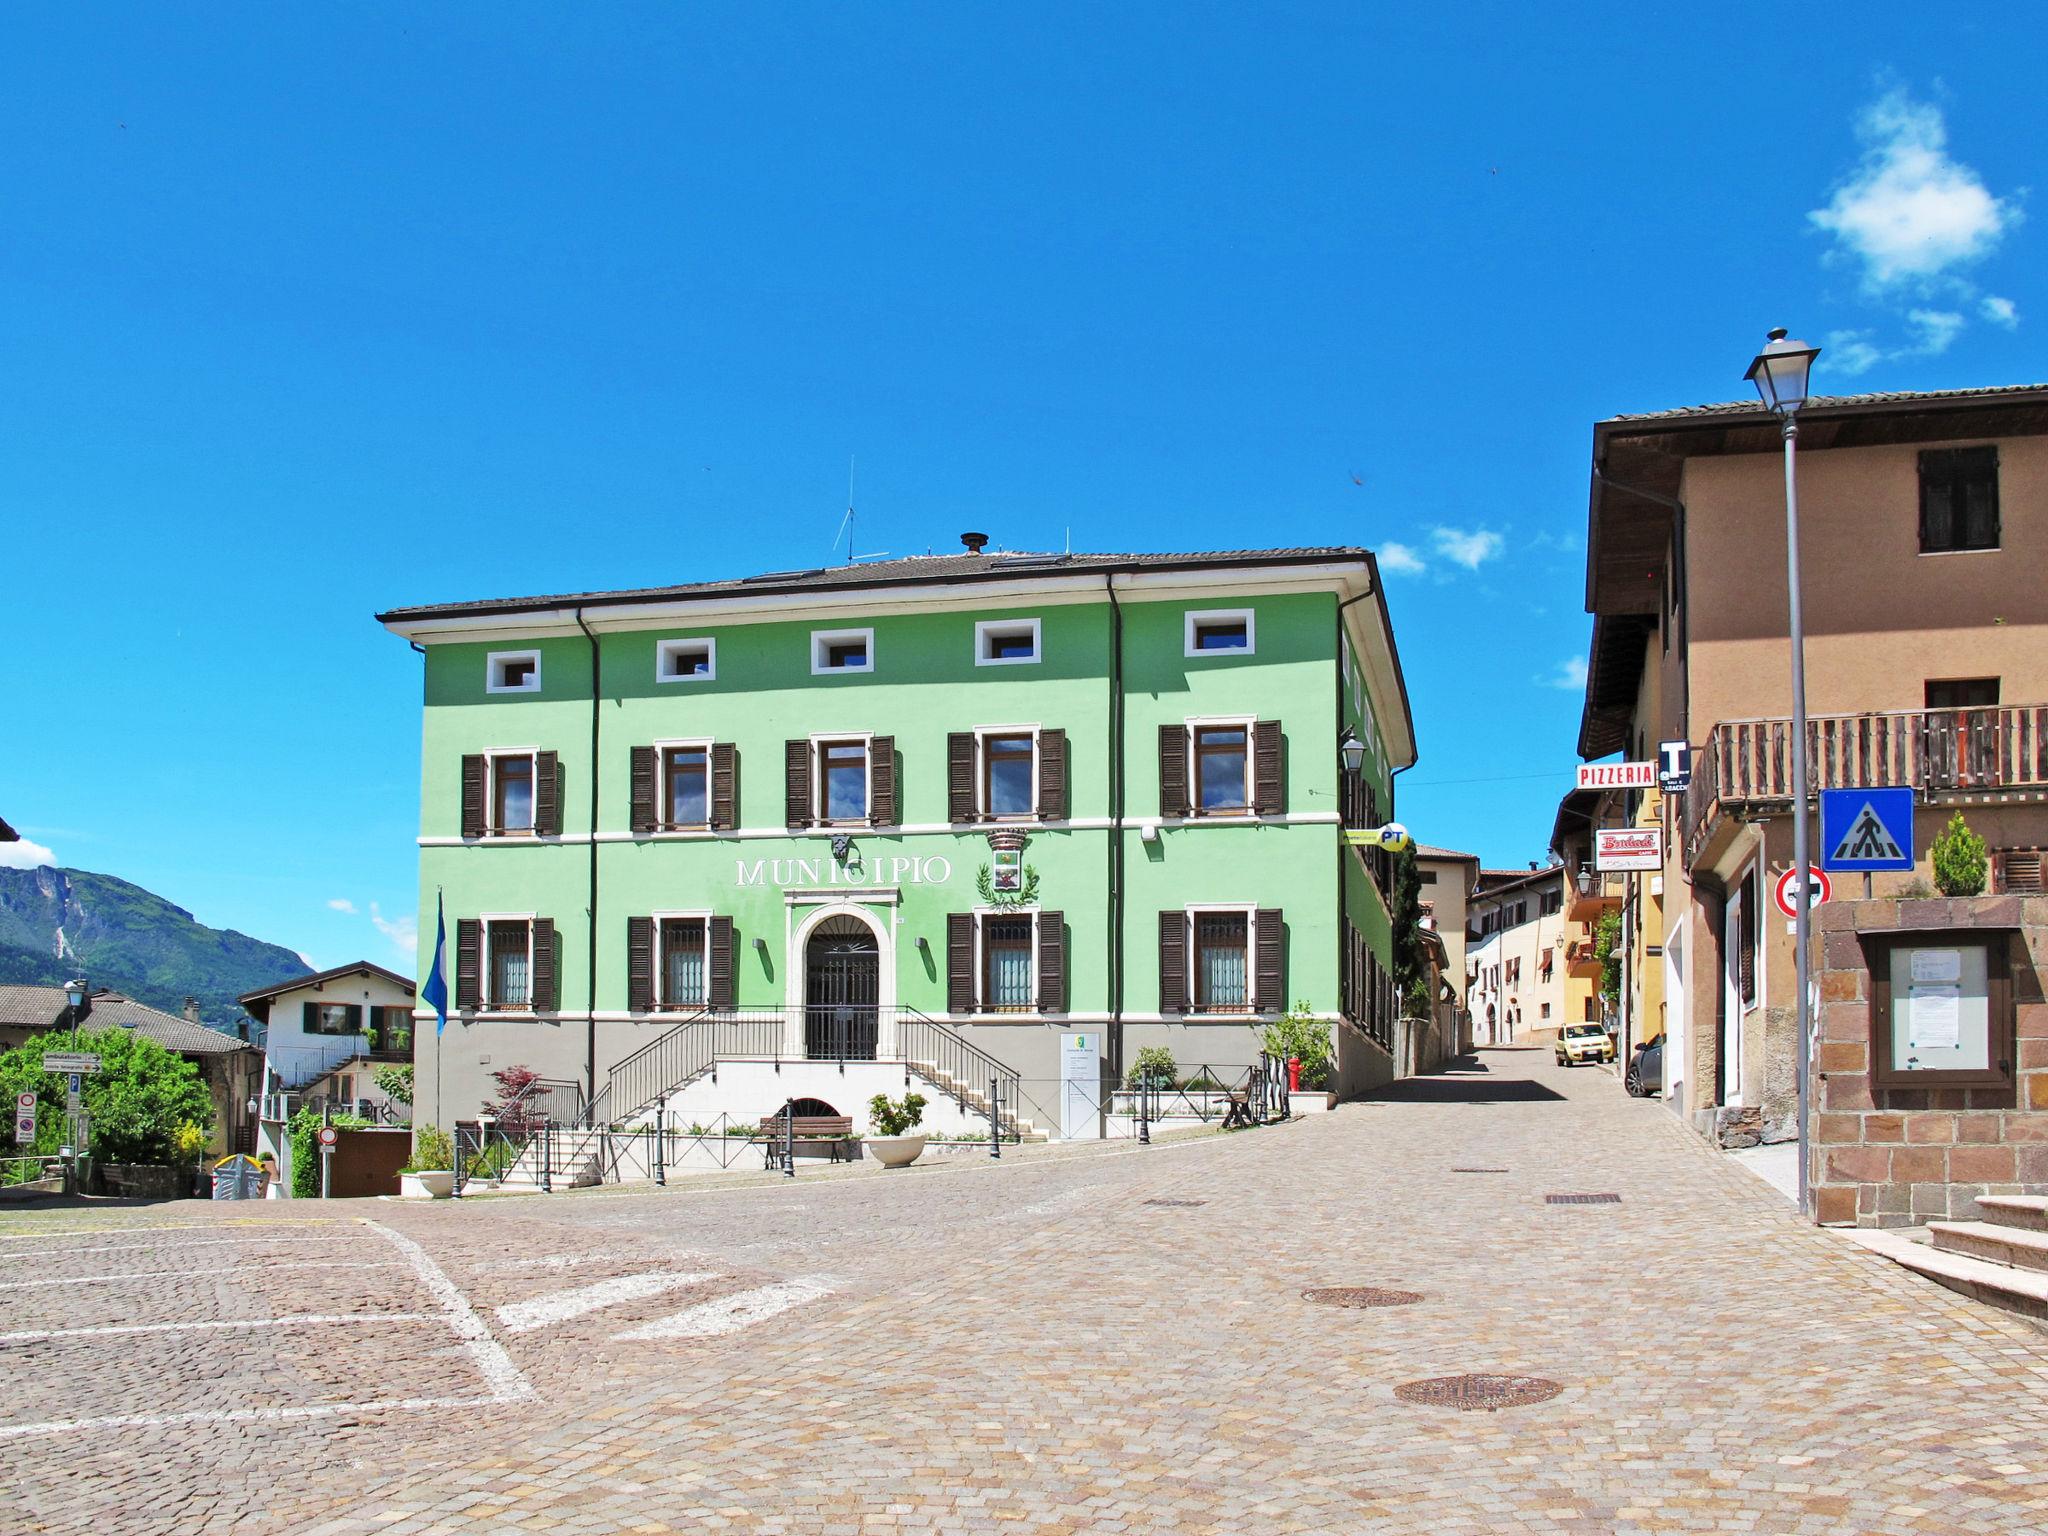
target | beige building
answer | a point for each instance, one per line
(1448, 880)
(1923, 520)
(1514, 956)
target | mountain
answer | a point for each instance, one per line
(59, 923)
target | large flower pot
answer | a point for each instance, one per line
(433, 1184)
(1308, 1101)
(896, 1151)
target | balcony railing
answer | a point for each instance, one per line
(1937, 751)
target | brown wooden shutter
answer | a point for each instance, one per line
(1052, 775)
(1173, 962)
(725, 787)
(1052, 962)
(960, 962)
(1269, 777)
(309, 1018)
(547, 794)
(1269, 989)
(472, 794)
(639, 964)
(469, 946)
(723, 984)
(796, 783)
(882, 781)
(2017, 870)
(1745, 943)
(547, 988)
(1173, 770)
(960, 757)
(642, 786)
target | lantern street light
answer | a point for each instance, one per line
(1351, 751)
(79, 995)
(1780, 374)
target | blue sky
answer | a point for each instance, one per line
(315, 310)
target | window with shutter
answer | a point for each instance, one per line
(796, 783)
(468, 963)
(1269, 989)
(723, 991)
(1006, 963)
(2018, 870)
(1958, 499)
(1009, 787)
(510, 964)
(960, 749)
(725, 786)
(1173, 961)
(1052, 775)
(686, 785)
(642, 789)
(960, 962)
(639, 964)
(1052, 962)
(1269, 776)
(546, 976)
(512, 787)
(1745, 941)
(1173, 770)
(882, 776)
(473, 765)
(547, 794)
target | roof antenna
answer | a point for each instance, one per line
(846, 522)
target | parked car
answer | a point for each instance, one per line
(1645, 1076)
(1583, 1042)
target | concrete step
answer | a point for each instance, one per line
(2017, 1246)
(2026, 1211)
(2021, 1291)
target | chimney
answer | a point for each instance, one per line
(192, 1010)
(974, 542)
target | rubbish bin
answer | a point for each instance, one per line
(238, 1178)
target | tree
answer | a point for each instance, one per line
(395, 1083)
(1960, 865)
(1411, 954)
(515, 1107)
(1607, 950)
(138, 1100)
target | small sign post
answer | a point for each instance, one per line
(24, 1119)
(70, 1063)
(1866, 829)
(327, 1136)
(1818, 889)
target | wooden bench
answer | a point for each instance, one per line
(828, 1136)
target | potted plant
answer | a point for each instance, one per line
(1298, 1035)
(429, 1174)
(894, 1146)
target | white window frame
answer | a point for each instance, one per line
(491, 756)
(823, 738)
(988, 629)
(1256, 1003)
(981, 1002)
(1195, 617)
(495, 660)
(1249, 725)
(488, 1000)
(823, 639)
(661, 1000)
(662, 798)
(981, 735)
(665, 649)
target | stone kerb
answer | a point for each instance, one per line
(1901, 1156)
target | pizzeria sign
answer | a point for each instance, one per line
(1617, 775)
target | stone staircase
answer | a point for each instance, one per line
(2001, 1261)
(975, 1100)
(575, 1160)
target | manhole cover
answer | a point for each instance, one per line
(1177, 1202)
(1479, 1170)
(1360, 1296)
(1582, 1199)
(1470, 1392)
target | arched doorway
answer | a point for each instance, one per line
(842, 984)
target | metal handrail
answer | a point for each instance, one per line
(925, 1042)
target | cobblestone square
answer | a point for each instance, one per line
(1102, 1337)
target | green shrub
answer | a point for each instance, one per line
(1299, 1032)
(432, 1151)
(189, 1142)
(897, 1117)
(1155, 1065)
(1607, 950)
(492, 1162)
(1960, 865)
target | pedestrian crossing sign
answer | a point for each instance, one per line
(1866, 829)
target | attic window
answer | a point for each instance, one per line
(1006, 643)
(512, 672)
(686, 661)
(842, 650)
(1227, 631)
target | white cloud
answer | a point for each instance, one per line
(1937, 328)
(1400, 559)
(341, 904)
(2000, 311)
(1854, 352)
(1570, 675)
(1471, 549)
(403, 932)
(1908, 213)
(25, 855)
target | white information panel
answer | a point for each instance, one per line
(1940, 1013)
(1080, 1087)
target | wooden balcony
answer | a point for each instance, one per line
(1581, 958)
(1947, 754)
(1589, 893)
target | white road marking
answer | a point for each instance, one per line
(729, 1314)
(240, 1415)
(507, 1382)
(168, 1226)
(289, 1320)
(205, 1242)
(556, 1260)
(179, 1274)
(560, 1306)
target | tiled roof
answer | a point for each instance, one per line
(918, 570)
(1427, 851)
(316, 978)
(47, 1005)
(1824, 402)
(37, 1007)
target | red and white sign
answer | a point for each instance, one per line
(1818, 889)
(329, 1135)
(1617, 775)
(1628, 848)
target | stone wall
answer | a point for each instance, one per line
(1896, 1157)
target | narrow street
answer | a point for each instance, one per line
(1097, 1338)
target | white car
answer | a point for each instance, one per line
(1578, 1043)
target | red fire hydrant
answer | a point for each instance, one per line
(1294, 1074)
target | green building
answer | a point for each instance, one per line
(935, 814)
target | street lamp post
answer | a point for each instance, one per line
(1780, 374)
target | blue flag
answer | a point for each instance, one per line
(435, 991)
